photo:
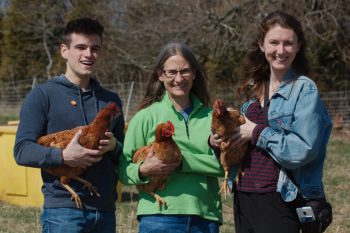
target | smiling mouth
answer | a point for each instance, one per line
(180, 87)
(87, 63)
(281, 60)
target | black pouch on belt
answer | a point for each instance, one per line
(322, 211)
(323, 215)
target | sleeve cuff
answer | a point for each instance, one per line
(216, 150)
(139, 178)
(57, 158)
(117, 152)
(265, 135)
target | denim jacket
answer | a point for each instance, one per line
(297, 136)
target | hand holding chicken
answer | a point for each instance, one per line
(224, 122)
(82, 146)
(160, 158)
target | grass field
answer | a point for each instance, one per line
(5, 119)
(14, 219)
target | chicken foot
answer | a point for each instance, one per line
(239, 174)
(224, 186)
(160, 200)
(89, 185)
(74, 197)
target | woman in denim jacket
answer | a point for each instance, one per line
(287, 127)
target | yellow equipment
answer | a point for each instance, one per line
(20, 185)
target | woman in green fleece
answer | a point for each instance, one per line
(176, 92)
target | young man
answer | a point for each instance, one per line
(64, 102)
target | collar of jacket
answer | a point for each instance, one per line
(286, 86)
(196, 103)
(94, 86)
(284, 90)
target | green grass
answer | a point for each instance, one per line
(337, 184)
(5, 119)
(336, 179)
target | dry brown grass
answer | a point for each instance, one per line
(15, 219)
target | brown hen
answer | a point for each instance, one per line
(224, 121)
(90, 139)
(165, 149)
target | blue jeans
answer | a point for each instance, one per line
(69, 220)
(176, 224)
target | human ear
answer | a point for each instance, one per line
(261, 46)
(63, 50)
(160, 76)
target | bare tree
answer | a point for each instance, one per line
(218, 31)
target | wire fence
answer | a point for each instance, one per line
(12, 95)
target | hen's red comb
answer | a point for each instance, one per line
(112, 106)
(218, 103)
(172, 128)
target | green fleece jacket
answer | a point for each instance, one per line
(193, 188)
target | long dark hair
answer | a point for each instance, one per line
(256, 69)
(155, 88)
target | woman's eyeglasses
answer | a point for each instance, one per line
(171, 74)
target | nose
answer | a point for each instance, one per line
(178, 76)
(280, 48)
(88, 52)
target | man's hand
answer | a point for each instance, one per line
(109, 144)
(77, 156)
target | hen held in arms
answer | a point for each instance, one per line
(224, 121)
(89, 138)
(165, 149)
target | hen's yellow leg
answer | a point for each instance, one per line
(224, 186)
(87, 184)
(239, 174)
(161, 201)
(74, 197)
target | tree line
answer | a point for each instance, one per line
(218, 31)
